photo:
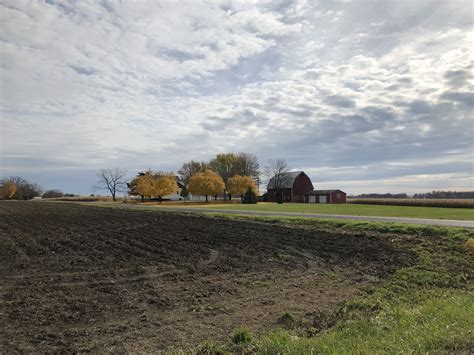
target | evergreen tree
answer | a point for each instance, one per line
(250, 196)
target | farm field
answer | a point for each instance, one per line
(420, 202)
(86, 279)
(80, 278)
(354, 209)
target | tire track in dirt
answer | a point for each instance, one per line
(109, 280)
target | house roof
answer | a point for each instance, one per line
(321, 192)
(287, 180)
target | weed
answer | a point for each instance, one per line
(287, 320)
(208, 348)
(241, 336)
(312, 332)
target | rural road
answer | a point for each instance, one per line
(422, 221)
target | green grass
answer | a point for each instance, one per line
(427, 307)
(353, 209)
(347, 225)
(440, 323)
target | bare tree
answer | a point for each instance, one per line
(247, 165)
(190, 169)
(112, 180)
(275, 171)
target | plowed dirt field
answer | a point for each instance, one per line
(78, 278)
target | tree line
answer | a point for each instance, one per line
(446, 195)
(15, 187)
(428, 195)
(18, 188)
(386, 195)
(228, 174)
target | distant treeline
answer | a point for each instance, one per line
(447, 194)
(380, 196)
(430, 195)
(419, 202)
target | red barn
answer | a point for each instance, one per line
(325, 196)
(293, 186)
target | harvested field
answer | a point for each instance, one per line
(79, 278)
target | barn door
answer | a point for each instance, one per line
(323, 199)
(312, 199)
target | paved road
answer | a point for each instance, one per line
(431, 222)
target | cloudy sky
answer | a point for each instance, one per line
(366, 96)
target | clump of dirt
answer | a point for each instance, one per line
(77, 278)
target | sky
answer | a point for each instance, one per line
(364, 96)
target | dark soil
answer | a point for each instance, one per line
(78, 278)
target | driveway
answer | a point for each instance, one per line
(421, 221)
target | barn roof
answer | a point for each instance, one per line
(321, 192)
(287, 179)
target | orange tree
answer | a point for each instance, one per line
(224, 165)
(164, 184)
(7, 190)
(143, 185)
(155, 184)
(132, 185)
(206, 183)
(240, 184)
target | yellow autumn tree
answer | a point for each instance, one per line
(164, 185)
(205, 184)
(144, 185)
(156, 184)
(240, 184)
(7, 190)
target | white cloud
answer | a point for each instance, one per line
(137, 84)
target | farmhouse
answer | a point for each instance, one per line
(325, 196)
(292, 185)
(176, 196)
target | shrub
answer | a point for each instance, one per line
(279, 197)
(250, 197)
(53, 194)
